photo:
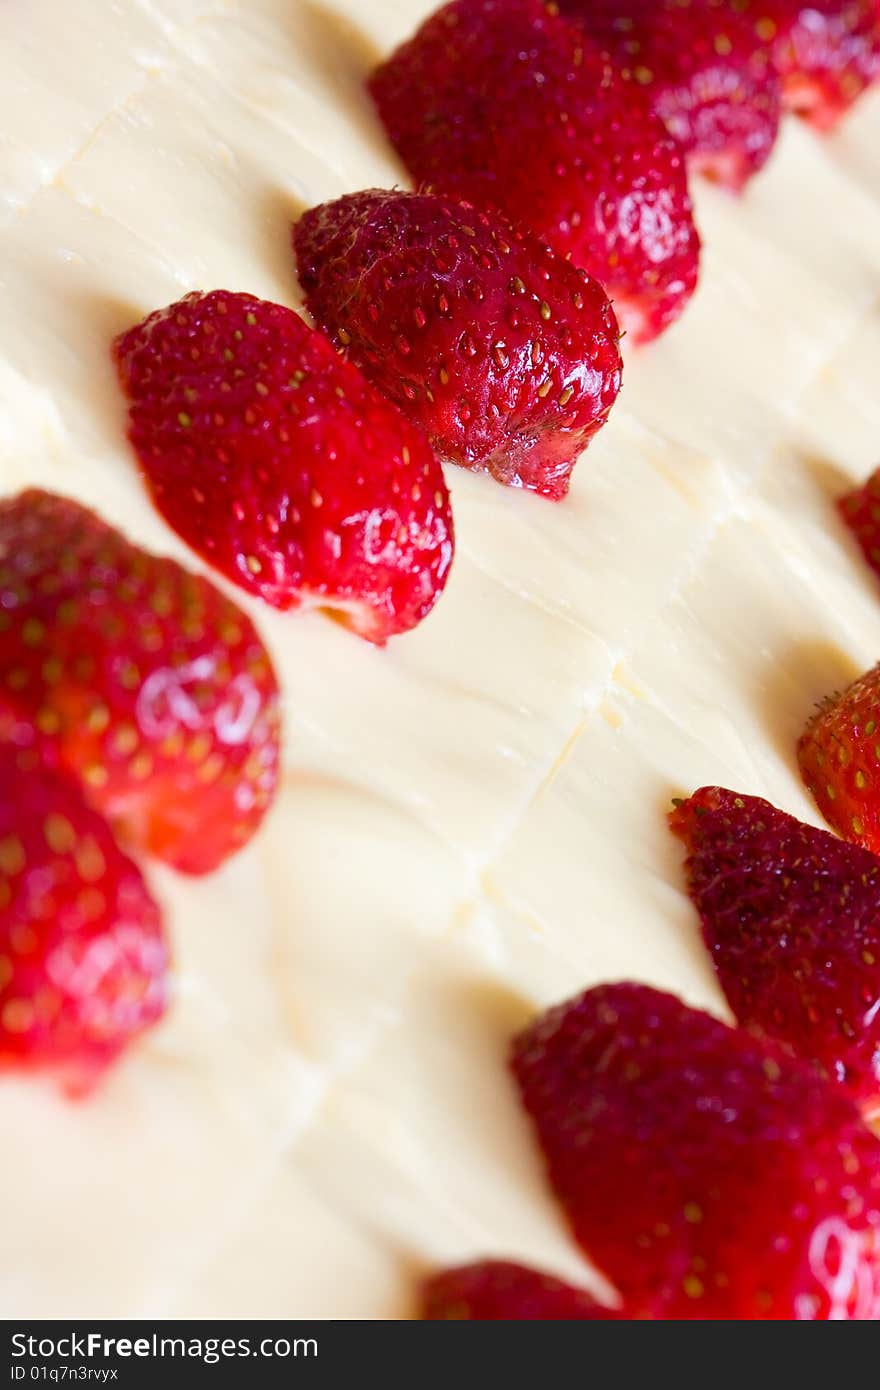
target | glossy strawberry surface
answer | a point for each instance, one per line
(504, 103)
(279, 463)
(791, 917)
(506, 355)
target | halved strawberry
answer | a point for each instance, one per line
(839, 758)
(501, 1291)
(282, 466)
(138, 679)
(826, 51)
(860, 510)
(503, 353)
(83, 959)
(791, 917)
(503, 103)
(709, 1175)
(705, 71)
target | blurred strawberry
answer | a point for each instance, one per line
(704, 69)
(138, 679)
(708, 1175)
(826, 52)
(83, 960)
(498, 1290)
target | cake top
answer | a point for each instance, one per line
(470, 824)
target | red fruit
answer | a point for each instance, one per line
(499, 1291)
(791, 916)
(83, 961)
(136, 678)
(708, 1175)
(839, 757)
(279, 464)
(826, 51)
(860, 510)
(503, 103)
(504, 354)
(704, 70)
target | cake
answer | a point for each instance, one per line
(470, 823)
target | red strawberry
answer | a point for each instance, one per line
(839, 757)
(83, 961)
(503, 103)
(499, 1291)
(280, 465)
(705, 71)
(826, 51)
(137, 678)
(860, 510)
(503, 353)
(791, 916)
(708, 1175)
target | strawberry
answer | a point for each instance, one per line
(503, 103)
(506, 355)
(137, 678)
(860, 510)
(709, 1175)
(791, 917)
(839, 757)
(703, 68)
(83, 960)
(826, 52)
(500, 1291)
(281, 466)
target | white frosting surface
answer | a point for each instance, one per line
(471, 821)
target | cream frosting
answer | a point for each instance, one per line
(471, 821)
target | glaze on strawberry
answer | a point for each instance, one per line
(282, 466)
(503, 103)
(506, 355)
(791, 918)
(137, 679)
(83, 959)
(708, 1175)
